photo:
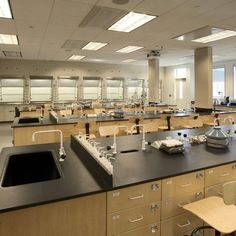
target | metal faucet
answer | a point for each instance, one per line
(143, 140)
(231, 120)
(62, 153)
(114, 146)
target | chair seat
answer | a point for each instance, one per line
(214, 212)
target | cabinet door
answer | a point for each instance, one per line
(178, 225)
(85, 216)
(182, 184)
(173, 206)
(133, 196)
(132, 218)
(148, 230)
(220, 174)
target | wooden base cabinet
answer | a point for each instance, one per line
(85, 216)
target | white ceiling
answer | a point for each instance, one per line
(43, 26)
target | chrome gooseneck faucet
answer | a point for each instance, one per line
(114, 146)
(143, 140)
(62, 153)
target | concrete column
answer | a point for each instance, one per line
(203, 78)
(153, 79)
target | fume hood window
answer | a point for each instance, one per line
(11, 90)
(40, 90)
(135, 89)
(92, 88)
(115, 88)
(67, 89)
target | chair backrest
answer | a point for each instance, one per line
(151, 127)
(229, 193)
(108, 130)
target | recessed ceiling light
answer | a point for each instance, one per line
(12, 54)
(129, 49)
(94, 46)
(129, 60)
(206, 34)
(131, 21)
(5, 10)
(214, 37)
(76, 57)
(8, 39)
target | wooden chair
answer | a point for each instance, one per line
(151, 127)
(106, 131)
(193, 122)
(167, 119)
(219, 213)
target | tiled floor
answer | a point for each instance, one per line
(5, 135)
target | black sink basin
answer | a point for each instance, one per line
(30, 168)
(28, 120)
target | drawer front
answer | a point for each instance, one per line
(178, 225)
(173, 206)
(133, 218)
(182, 184)
(149, 230)
(133, 196)
(220, 174)
(215, 190)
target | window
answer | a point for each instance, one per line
(40, 88)
(135, 88)
(67, 89)
(234, 82)
(12, 89)
(92, 88)
(218, 80)
(115, 88)
(180, 73)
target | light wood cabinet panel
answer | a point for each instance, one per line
(178, 225)
(85, 216)
(173, 206)
(68, 130)
(220, 174)
(148, 230)
(182, 184)
(215, 190)
(23, 136)
(132, 218)
(133, 196)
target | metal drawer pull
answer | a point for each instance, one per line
(184, 225)
(220, 193)
(181, 205)
(137, 197)
(136, 220)
(186, 185)
(224, 174)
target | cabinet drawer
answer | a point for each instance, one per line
(220, 174)
(178, 225)
(182, 184)
(173, 206)
(149, 230)
(133, 218)
(133, 196)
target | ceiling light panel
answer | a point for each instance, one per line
(131, 21)
(129, 60)
(5, 10)
(76, 57)
(102, 17)
(12, 54)
(206, 34)
(8, 39)
(94, 46)
(129, 49)
(217, 36)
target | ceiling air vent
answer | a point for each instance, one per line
(12, 54)
(74, 44)
(102, 17)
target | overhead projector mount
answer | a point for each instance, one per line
(155, 53)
